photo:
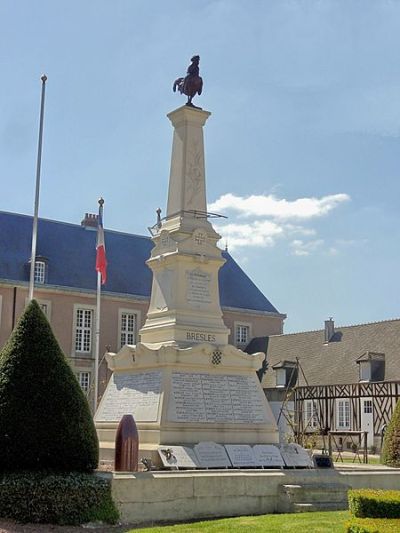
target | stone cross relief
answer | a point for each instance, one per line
(199, 239)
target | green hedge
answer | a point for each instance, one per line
(44, 497)
(45, 420)
(373, 525)
(370, 503)
(391, 441)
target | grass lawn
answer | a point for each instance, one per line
(371, 460)
(328, 522)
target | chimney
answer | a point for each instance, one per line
(329, 330)
(89, 221)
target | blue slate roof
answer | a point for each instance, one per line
(71, 251)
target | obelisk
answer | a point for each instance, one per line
(184, 306)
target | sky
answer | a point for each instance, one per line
(302, 147)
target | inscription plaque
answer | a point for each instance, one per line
(268, 456)
(131, 394)
(295, 456)
(178, 457)
(198, 286)
(198, 336)
(216, 398)
(241, 455)
(211, 455)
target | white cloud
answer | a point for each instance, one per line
(278, 208)
(300, 230)
(300, 247)
(273, 219)
(257, 233)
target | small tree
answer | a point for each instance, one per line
(45, 420)
(391, 440)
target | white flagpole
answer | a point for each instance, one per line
(97, 342)
(36, 208)
(97, 338)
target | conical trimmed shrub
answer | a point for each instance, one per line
(391, 440)
(45, 420)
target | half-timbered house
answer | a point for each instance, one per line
(338, 379)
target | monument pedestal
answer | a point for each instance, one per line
(185, 396)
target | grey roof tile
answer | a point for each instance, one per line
(335, 362)
(70, 250)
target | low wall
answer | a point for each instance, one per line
(147, 497)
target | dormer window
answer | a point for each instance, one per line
(39, 275)
(286, 374)
(365, 371)
(40, 271)
(371, 366)
(280, 374)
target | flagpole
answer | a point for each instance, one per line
(97, 342)
(97, 338)
(36, 207)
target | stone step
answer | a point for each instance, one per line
(313, 497)
(327, 487)
(287, 488)
(318, 497)
(317, 507)
(311, 493)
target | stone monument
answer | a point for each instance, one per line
(183, 382)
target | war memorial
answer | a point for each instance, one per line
(183, 381)
(206, 431)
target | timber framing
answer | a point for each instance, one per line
(384, 396)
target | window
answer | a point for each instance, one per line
(242, 333)
(286, 373)
(343, 414)
(365, 371)
(83, 329)
(39, 274)
(128, 325)
(367, 406)
(127, 329)
(84, 380)
(310, 415)
(372, 366)
(280, 377)
(45, 306)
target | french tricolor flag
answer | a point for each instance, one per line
(101, 261)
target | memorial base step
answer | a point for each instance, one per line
(319, 507)
(314, 497)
